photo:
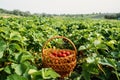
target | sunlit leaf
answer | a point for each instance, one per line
(49, 73)
(108, 62)
(19, 68)
(31, 71)
(111, 43)
(97, 42)
(7, 69)
(82, 48)
(15, 36)
(2, 47)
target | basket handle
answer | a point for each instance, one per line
(59, 37)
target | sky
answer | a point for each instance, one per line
(63, 6)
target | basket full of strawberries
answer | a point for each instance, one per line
(63, 61)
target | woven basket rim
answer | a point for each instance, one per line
(43, 48)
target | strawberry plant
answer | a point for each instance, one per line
(22, 39)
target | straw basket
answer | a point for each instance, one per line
(62, 65)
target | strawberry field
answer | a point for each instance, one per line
(22, 38)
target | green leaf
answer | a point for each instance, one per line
(15, 77)
(2, 47)
(14, 46)
(89, 68)
(101, 46)
(14, 65)
(49, 73)
(18, 57)
(85, 72)
(115, 54)
(19, 68)
(4, 29)
(26, 57)
(44, 73)
(7, 69)
(97, 42)
(15, 36)
(31, 71)
(111, 43)
(75, 76)
(28, 67)
(37, 75)
(90, 60)
(25, 74)
(1, 69)
(118, 65)
(93, 69)
(82, 48)
(108, 62)
(86, 75)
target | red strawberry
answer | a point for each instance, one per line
(64, 55)
(59, 54)
(63, 51)
(55, 54)
(67, 53)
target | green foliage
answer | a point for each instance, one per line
(15, 76)
(2, 47)
(22, 39)
(45, 73)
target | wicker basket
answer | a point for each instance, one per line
(62, 65)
